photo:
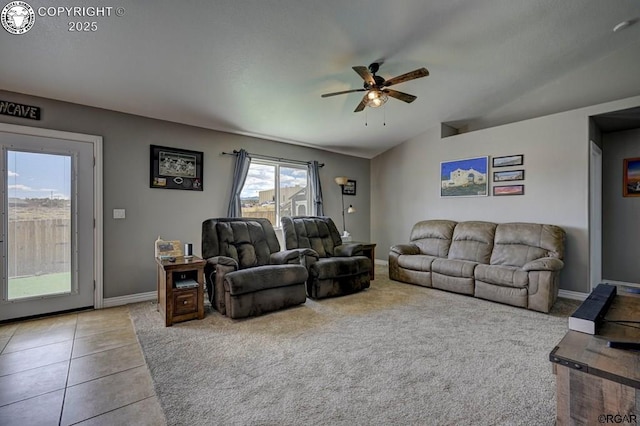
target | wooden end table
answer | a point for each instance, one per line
(595, 383)
(369, 250)
(180, 304)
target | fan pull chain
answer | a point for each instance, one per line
(384, 111)
(366, 118)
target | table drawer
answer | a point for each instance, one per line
(185, 301)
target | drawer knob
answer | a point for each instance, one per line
(185, 302)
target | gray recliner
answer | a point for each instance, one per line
(246, 273)
(335, 269)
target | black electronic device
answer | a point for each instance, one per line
(589, 315)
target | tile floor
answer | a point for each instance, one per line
(76, 369)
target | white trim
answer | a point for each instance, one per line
(97, 192)
(381, 262)
(574, 295)
(110, 302)
(622, 283)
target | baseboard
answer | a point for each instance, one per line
(621, 283)
(574, 295)
(131, 298)
(381, 262)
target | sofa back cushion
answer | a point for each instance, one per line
(249, 242)
(516, 244)
(472, 241)
(318, 233)
(433, 237)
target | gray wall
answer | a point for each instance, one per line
(556, 158)
(620, 226)
(129, 267)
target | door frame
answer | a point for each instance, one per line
(595, 215)
(96, 141)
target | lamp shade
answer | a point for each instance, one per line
(342, 180)
(376, 98)
(351, 209)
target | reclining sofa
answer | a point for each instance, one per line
(335, 268)
(246, 273)
(514, 263)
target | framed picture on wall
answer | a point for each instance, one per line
(173, 168)
(508, 175)
(508, 190)
(349, 188)
(464, 178)
(508, 160)
(631, 175)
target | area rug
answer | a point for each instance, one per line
(393, 354)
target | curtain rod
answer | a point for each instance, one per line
(269, 157)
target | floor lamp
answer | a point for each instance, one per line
(342, 181)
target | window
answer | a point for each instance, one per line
(273, 190)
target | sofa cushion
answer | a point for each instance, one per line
(453, 267)
(416, 262)
(472, 241)
(507, 276)
(515, 244)
(315, 232)
(336, 267)
(264, 277)
(433, 237)
(245, 242)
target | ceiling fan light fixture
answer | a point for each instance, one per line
(376, 98)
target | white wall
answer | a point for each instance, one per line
(405, 182)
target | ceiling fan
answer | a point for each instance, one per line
(377, 87)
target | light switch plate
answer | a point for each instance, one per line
(119, 213)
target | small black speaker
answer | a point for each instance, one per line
(188, 250)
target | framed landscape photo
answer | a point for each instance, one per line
(508, 190)
(173, 168)
(507, 161)
(631, 175)
(464, 178)
(349, 188)
(508, 175)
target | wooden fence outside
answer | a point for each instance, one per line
(38, 247)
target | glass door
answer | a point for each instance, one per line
(47, 215)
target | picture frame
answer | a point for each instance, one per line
(174, 168)
(508, 160)
(349, 188)
(508, 175)
(504, 190)
(464, 178)
(168, 249)
(631, 177)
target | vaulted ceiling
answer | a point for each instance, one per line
(258, 67)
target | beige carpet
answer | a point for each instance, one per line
(393, 354)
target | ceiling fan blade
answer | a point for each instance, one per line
(326, 95)
(365, 74)
(405, 97)
(362, 104)
(421, 72)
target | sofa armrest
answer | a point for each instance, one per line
(403, 249)
(348, 250)
(222, 260)
(544, 264)
(285, 256)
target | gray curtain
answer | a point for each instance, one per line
(239, 176)
(316, 189)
